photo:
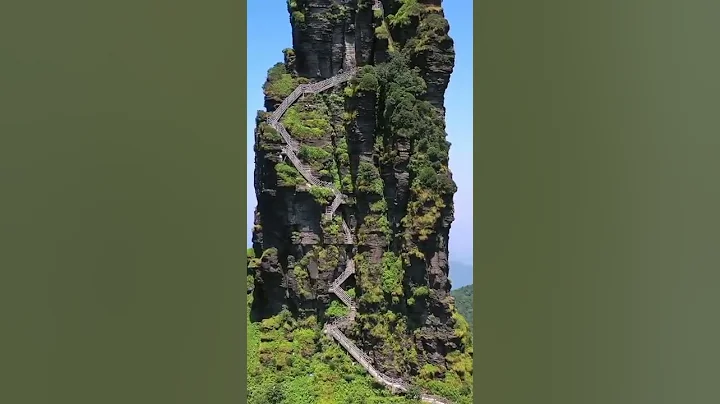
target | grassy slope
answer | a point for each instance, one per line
(290, 362)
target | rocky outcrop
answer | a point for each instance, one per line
(378, 143)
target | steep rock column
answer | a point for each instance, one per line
(381, 140)
(308, 251)
(321, 30)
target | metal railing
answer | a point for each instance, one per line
(353, 350)
(365, 361)
(348, 233)
(327, 83)
(339, 199)
(343, 295)
(292, 144)
(349, 270)
(299, 166)
(285, 104)
(394, 384)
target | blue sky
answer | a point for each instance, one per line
(269, 33)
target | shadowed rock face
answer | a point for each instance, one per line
(301, 253)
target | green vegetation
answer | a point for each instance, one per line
(269, 252)
(305, 122)
(381, 32)
(462, 329)
(296, 14)
(392, 276)
(367, 79)
(378, 206)
(404, 117)
(343, 160)
(433, 29)
(321, 159)
(336, 309)
(368, 179)
(314, 155)
(409, 8)
(252, 261)
(269, 133)
(322, 195)
(464, 303)
(288, 175)
(374, 223)
(290, 361)
(279, 83)
(252, 264)
(328, 258)
(336, 13)
(332, 228)
(301, 275)
(421, 291)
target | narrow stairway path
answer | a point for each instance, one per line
(333, 329)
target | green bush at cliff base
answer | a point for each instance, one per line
(292, 361)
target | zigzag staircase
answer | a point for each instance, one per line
(333, 329)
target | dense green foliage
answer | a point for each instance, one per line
(321, 160)
(304, 121)
(368, 179)
(322, 195)
(279, 83)
(291, 362)
(385, 298)
(464, 302)
(409, 8)
(288, 175)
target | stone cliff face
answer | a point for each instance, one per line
(381, 140)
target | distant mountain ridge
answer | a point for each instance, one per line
(461, 274)
(464, 302)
